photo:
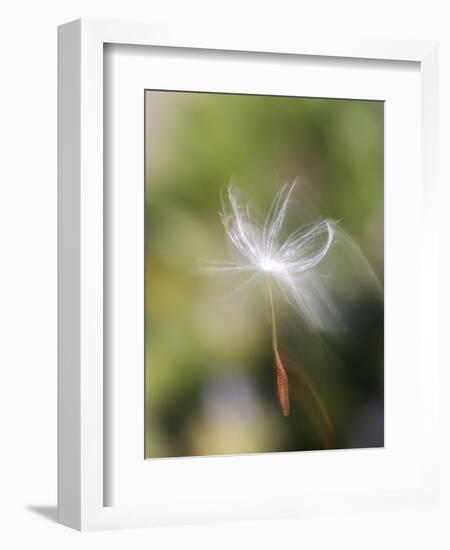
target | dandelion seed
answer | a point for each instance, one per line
(289, 263)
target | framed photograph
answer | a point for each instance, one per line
(248, 299)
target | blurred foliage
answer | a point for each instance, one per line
(209, 365)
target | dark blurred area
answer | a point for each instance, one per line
(209, 362)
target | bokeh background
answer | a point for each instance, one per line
(209, 363)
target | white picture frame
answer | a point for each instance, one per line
(82, 483)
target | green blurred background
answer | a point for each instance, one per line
(209, 364)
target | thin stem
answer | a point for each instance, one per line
(301, 380)
(274, 325)
(281, 376)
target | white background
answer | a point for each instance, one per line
(28, 273)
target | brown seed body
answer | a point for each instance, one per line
(282, 386)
